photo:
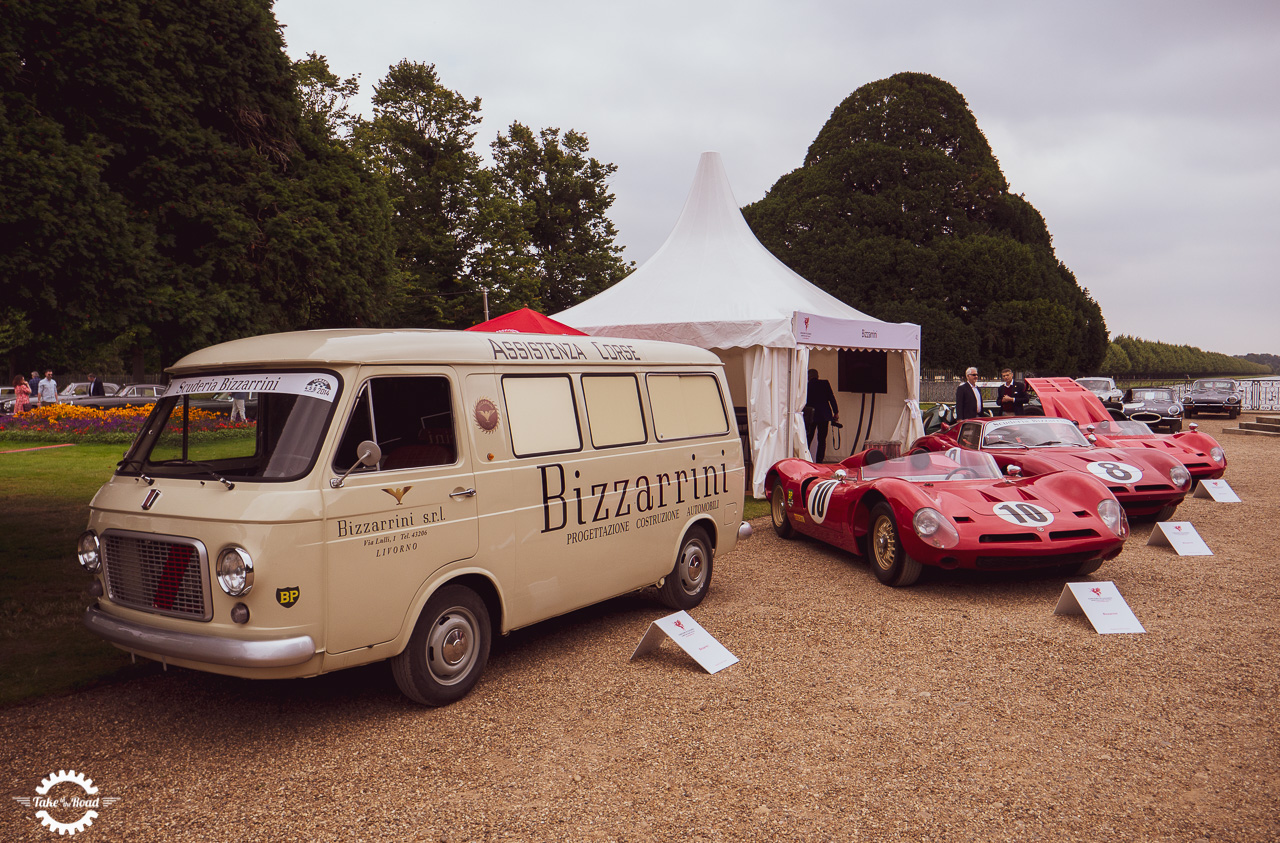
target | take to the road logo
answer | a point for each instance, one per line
(66, 802)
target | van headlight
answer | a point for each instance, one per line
(235, 571)
(934, 529)
(1217, 454)
(88, 552)
(1179, 475)
(1112, 514)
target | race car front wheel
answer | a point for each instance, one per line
(889, 560)
(778, 506)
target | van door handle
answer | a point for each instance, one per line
(463, 493)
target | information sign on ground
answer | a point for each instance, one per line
(691, 637)
(1179, 535)
(1101, 603)
(1216, 489)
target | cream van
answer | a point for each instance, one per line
(405, 494)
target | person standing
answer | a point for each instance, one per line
(34, 383)
(48, 390)
(21, 395)
(968, 396)
(237, 406)
(1011, 394)
(820, 409)
(95, 385)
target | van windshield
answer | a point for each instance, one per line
(236, 426)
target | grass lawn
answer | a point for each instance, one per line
(44, 498)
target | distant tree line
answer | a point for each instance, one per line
(1130, 357)
(1271, 361)
(170, 179)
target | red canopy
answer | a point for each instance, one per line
(525, 321)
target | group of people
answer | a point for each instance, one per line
(1011, 395)
(38, 391)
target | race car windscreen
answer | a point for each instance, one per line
(934, 467)
(1019, 434)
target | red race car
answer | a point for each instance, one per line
(1146, 482)
(951, 510)
(1199, 452)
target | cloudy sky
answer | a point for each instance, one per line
(1144, 132)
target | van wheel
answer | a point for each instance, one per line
(448, 650)
(689, 580)
(778, 508)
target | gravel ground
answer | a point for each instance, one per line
(958, 709)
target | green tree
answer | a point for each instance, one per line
(902, 211)
(162, 190)
(562, 198)
(421, 139)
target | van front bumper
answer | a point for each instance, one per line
(277, 652)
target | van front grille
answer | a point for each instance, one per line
(163, 574)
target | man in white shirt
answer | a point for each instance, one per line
(48, 391)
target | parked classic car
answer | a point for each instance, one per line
(949, 510)
(1106, 390)
(1213, 395)
(1155, 406)
(1198, 452)
(131, 395)
(1147, 482)
(78, 392)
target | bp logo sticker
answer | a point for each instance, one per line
(819, 498)
(1024, 514)
(1115, 472)
(288, 597)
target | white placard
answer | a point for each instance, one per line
(1101, 603)
(1216, 489)
(691, 637)
(1179, 535)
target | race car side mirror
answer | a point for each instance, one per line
(1013, 470)
(1194, 427)
(945, 427)
(840, 474)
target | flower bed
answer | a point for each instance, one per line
(72, 423)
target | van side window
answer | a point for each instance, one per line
(541, 414)
(686, 405)
(411, 419)
(614, 416)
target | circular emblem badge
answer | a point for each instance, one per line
(1115, 472)
(486, 415)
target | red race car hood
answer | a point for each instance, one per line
(979, 498)
(1063, 398)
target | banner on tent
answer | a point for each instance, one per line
(812, 329)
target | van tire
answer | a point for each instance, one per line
(689, 580)
(448, 650)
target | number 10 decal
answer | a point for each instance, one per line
(1024, 513)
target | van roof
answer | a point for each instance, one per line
(400, 346)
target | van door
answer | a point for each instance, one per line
(390, 526)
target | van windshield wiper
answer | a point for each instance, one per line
(208, 469)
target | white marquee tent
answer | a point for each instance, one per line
(714, 285)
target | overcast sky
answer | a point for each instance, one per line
(1144, 132)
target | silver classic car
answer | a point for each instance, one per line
(1213, 395)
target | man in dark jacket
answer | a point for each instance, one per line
(1011, 394)
(968, 396)
(820, 409)
(95, 386)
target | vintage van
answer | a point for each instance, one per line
(405, 494)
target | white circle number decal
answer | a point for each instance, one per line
(1024, 514)
(819, 497)
(1115, 472)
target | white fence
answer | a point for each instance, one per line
(1259, 395)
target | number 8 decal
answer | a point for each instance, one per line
(1024, 513)
(1115, 472)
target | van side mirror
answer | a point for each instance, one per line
(368, 454)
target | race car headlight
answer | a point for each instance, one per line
(87, 551)
(1179, 475)
(1217, 454)
(934, 529)
(235, 571)
(1112, 514)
